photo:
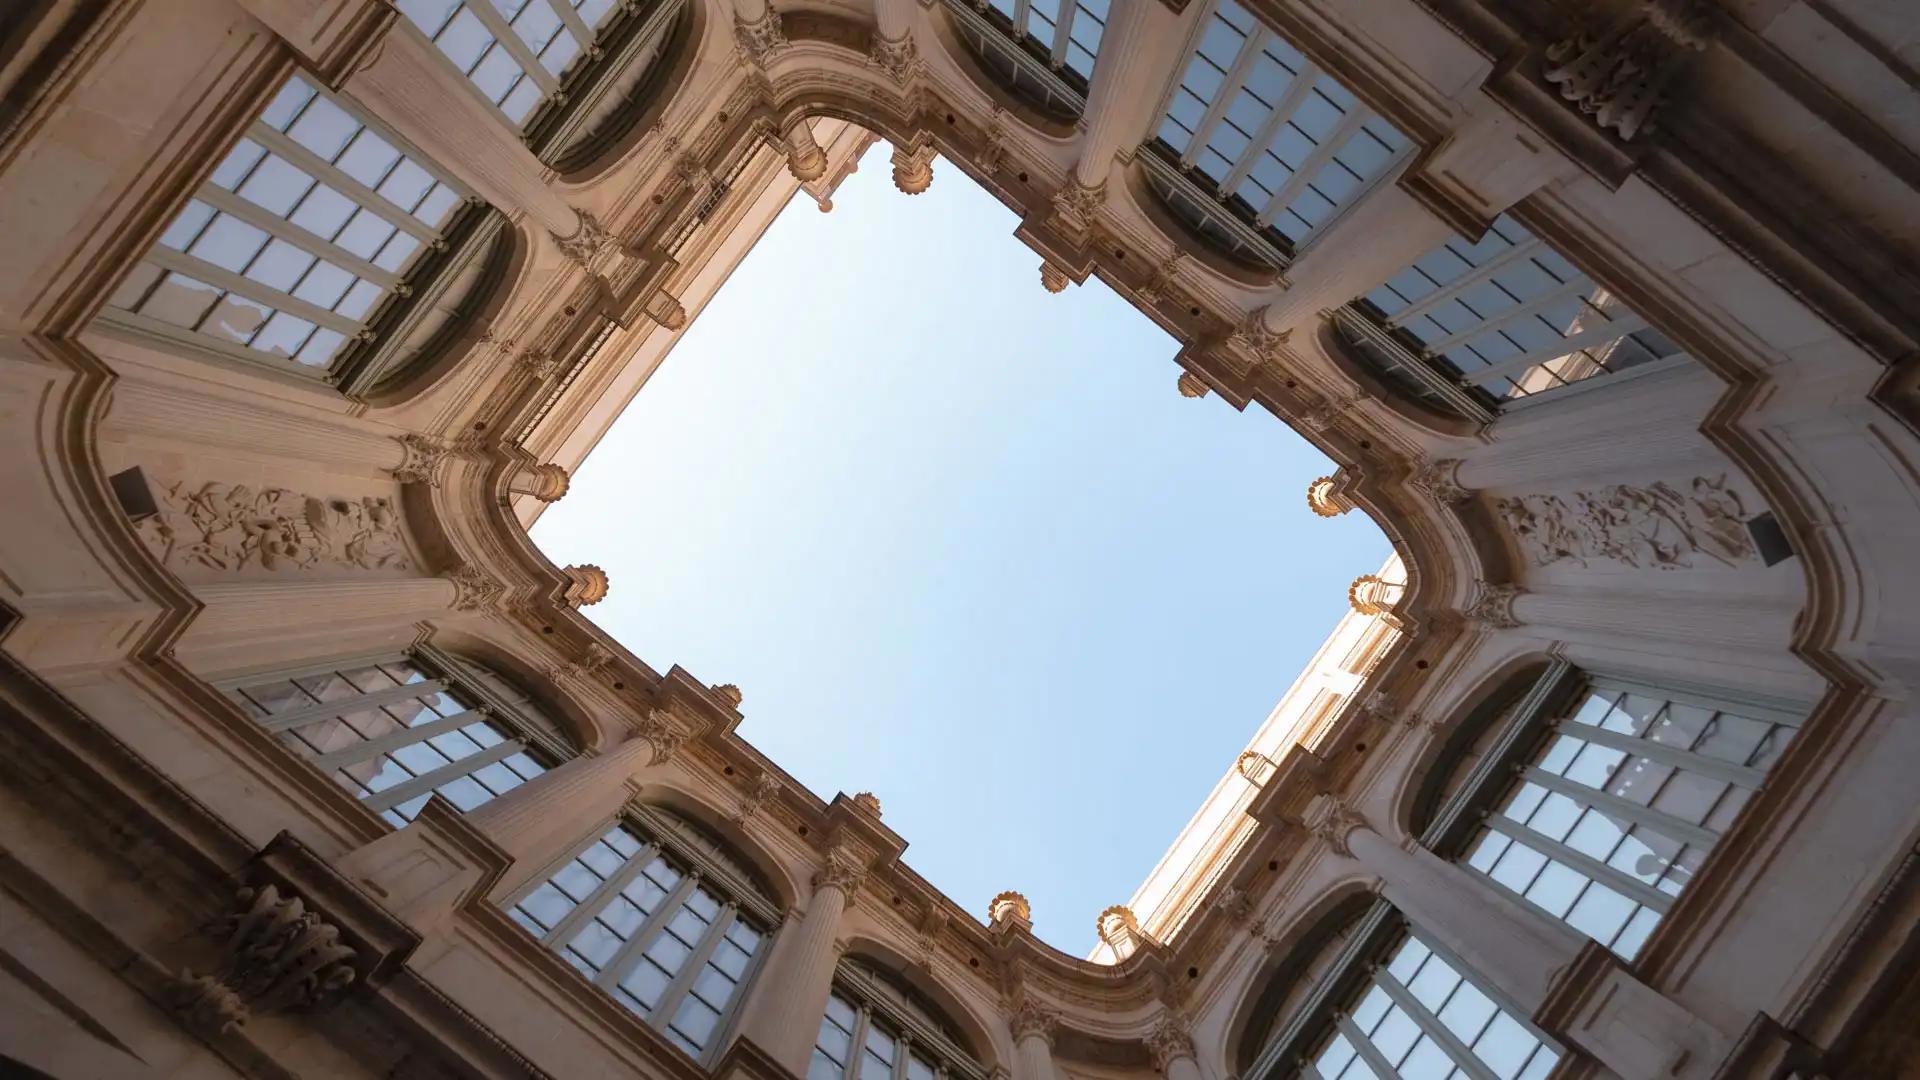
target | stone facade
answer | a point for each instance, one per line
(265, 537)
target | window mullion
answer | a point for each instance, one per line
(1020, 9)
(1612, 330)
(1310, 168)
(1463, 1056)
(902, 1053)
(260, 293)
(1574, 286)
(324, 171)
(1741, 775)
(516, 46)
(1230, 84)
(1523, 250)
(367, 749)
(1614, 878)
(1283, 109)
(327, 710)
(857, 1041)
(1363, 1046)
(656, 924)
(695, 961)
(445, 774)
(570, 17)
(1062, 31)
(1657, 820)
(313, 244)
(597, 900)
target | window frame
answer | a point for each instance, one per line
(869, 997)
(660, 836)
(979, 27)
(1528, 734)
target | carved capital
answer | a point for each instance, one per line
(760, 39)
(1168, 1041)
(424, 455)
(844, 870)
(589, 240)
(278, 956)
(1492, 606)
(1618, 73)
(1032, 1019)
(662, 733)
(1332, 822)
(473, 590)
(1076, 205)
(898, 59)
(1439, 480)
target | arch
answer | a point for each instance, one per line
(628, 97)
(945, 1009)
(1312, 937)
(1467, 734)
(997, 75)
(1346, 350)
(1146, 193)
(763, 869)
(572, 722)
(446, 318)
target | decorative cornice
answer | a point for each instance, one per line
(1618, 74)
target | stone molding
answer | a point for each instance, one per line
(1618, 73)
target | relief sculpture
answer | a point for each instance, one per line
(233, 526)
(1656, 525)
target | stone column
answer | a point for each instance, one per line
(1141, 51)
(756, 26)
(792, 994)
(1172, 1050)
(1382, 235)
(538, 820)
(893, 47)
(1033, 1025)
(415, 91)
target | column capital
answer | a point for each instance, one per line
(844, 869)
(1439, 479)
(662, 732)
(1492, 605)
(1168, 1041)
(760, 38)
(1033, 1019)
(1332, 821)
(474, 590)
(1075, 206)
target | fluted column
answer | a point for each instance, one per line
(538, 820)
(1172, 1048)
(1382, 235)
(416, 92)
(260, 427)
(1141, 51)
(791, 996)
(1033, 1026)
(894, 20)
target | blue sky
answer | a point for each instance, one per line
(961, 543)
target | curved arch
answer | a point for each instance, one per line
(573, 722)
(955, 40)
(770, 874)
(448, 318)
(961, 1022)
(626, 102)
(1311, 936)
(1398, 394)
(1425, 789)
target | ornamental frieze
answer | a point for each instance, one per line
(1656, 525)
(234, 527)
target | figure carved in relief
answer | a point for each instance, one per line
(232, 526)
(1652, 525)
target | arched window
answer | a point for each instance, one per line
(1396, 1004)
(297, 249)
(528, 59)
(1021, 46)
(396, 730)
(1602, 797)
(663, 916)
(878, 1027)
(1259, 133)
(1504, 320)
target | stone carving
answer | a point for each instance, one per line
(845, 870)
(1325, 413)
(659, 729)
(278, 955)
(868, 802)
(421, 465)
(1254, 767)
(1075, 205)
(233, 526)
(1119, 928)
(728, 693)
(1370, 594)
(1655, 525)
(1163, 283)
(1332, 821)
(1191, 385)
(1235, 903)
(992, 155)
(589, 239)
(473, 590)
(913, 166)
(931, 926)
(805, 160)
(1053, 278)
(898, 59)
(586, 584)
(1492, 606)
(1009, 905)
(1031, 1018)
(1439, 481)
(1256, 341)
(1619, 75)
(765, 786)
(761, 38)
(1324, 498)
(593, 662)
(1168, 1041)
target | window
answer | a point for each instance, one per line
(1064, 33)
(658, 914)
(396, 730)
(290, 250)
(1613, 813)
(1509, 317)
(1254, 125)
(515, 53)
(1396, 1004)
(879, 1028)
(1018, 44)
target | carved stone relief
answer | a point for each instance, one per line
(232, 527)
(1656, 525)
(278, 955)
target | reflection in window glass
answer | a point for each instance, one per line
(393, 735)
(1064, 34)
(1254, 124)
(878, 1029)
(513, 52)
(1620, 807)
(633, 914)
(1512, 317)
(307, 225)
